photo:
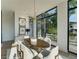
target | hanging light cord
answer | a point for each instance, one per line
(34, 10)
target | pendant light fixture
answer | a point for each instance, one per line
(34, 18)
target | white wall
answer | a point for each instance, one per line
(28, 5)
(17, 15)
(62, 26)
(23, 15)
(7, 25)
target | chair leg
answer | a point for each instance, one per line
(57, 56)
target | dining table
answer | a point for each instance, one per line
(41, 44)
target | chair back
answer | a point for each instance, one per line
(40, 37)
(49, 41)
(53, 54)
(28, 53)
(13, 52)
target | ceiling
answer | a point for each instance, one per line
(27, 6)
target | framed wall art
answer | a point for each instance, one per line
(22, 26)
(22, 31)
(22, 21)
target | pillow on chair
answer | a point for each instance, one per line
(45, 53)
(36, 57)
(53, 53)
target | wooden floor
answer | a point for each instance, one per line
(7, 45)
(4, 47)
(65, 55)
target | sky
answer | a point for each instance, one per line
(73, 18)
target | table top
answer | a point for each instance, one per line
(40, 43)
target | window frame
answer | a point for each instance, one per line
(44, 17)
(69, 9)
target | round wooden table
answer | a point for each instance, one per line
(40, 44)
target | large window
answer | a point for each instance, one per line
(72, 26)
(47, 24)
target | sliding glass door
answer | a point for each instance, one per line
(72, 26)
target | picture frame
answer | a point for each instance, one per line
(22, 31)
(22, 26)
(22, 21)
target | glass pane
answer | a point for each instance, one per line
(43, 27)
(73, 30)
(52, 27)
(40, 16)
(73, 15)
(31, 27)
(51, 12)
(72, 3)
(39, 27)
(47, 24)
(48, 13)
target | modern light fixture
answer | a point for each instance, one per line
(34, 39)
(34, 18)
(34, 10)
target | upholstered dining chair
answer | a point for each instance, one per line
(49, 41)
(40, 37)
(27, 52)
(53, 54)
(13, 52)
(30, 53)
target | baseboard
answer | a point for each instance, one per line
(10, 41)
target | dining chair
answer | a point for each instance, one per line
(49, 41)
(13, 52)
(26, 37)
(53, 54)
(28, 53)
(40, 37)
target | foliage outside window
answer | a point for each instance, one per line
(48, 24)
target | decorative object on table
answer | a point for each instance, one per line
(22, 26)
(34, 41)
